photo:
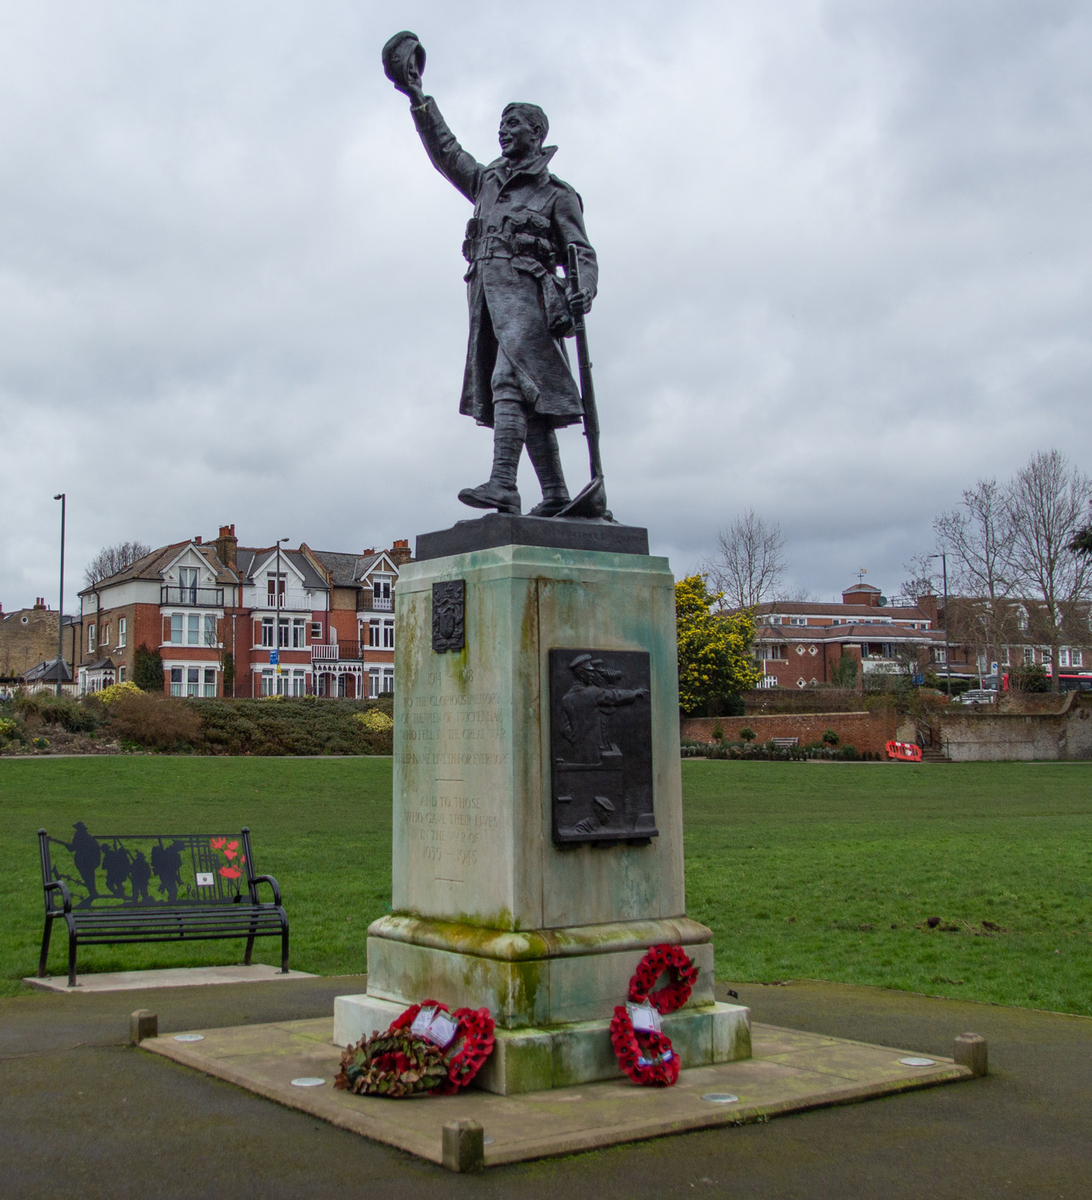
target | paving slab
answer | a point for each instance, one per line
(172, 977)
(790, 1071)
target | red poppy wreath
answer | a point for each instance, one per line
(646, 1054)
(436, 1055)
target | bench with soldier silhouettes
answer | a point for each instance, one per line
(109, 889)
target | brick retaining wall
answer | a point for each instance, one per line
(864, 730)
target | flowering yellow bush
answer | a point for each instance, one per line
(375, 721)
(714, 648)
(109, 694)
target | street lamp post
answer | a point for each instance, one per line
(277, 604)
(947, 641)
(60, 606)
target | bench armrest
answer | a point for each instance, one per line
(66, 896)
(272, 883)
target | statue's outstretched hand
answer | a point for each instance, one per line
(413, 87)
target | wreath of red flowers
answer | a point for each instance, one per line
(399, 1063)
(647, 1057)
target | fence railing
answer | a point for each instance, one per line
(192, 597)
(333, 651)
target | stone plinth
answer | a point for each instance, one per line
(538, 1059)
(489, 908)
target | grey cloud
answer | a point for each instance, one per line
(845, 257)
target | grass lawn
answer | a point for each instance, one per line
(817, 870)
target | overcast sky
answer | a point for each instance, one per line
(845, 266)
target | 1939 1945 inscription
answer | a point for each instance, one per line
(601, 746)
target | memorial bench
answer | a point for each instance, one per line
(785, 743)
(114, 888)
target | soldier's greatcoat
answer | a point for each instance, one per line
(524, 221)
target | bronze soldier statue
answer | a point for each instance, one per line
(517, 378)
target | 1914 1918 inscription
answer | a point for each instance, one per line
(449, 615)
(601, 746)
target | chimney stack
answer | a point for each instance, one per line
(227, 547)
(400, 552)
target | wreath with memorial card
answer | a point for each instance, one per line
(427, 1051)
(643, 1050)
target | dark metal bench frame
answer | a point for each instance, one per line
(160, 922)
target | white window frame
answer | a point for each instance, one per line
(299, 633)
(123, 632)
(388, 635)
(193, 629)
(316, 631)
(268, 636)
(92, 631)
(177, 680)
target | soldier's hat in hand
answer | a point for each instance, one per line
(397, 55)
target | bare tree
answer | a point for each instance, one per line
(921, 579)
(112, 559)
(978, 539)
(1047, 501)
(749, 561)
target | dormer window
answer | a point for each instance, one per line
(382, 589)
(774, 620)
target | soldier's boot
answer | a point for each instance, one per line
(509, 433)
(543, 452)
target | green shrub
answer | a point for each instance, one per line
(9, 727)
(148, 669)
(747, 735)
(294, 725)
(718, 732)
(830, 736)
(154, 722)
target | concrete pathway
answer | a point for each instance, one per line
(83, 1114)
(171, 977)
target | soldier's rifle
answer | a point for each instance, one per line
(592, 501)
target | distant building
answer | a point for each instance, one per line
(28, 640)
(212, 611)
(799, 644)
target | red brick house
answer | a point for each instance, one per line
(799, 644)
(246, 621)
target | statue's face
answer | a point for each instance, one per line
(518, 137)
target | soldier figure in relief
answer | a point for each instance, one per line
(517, 378)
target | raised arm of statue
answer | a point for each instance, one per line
(448, 157)
(403, 62)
